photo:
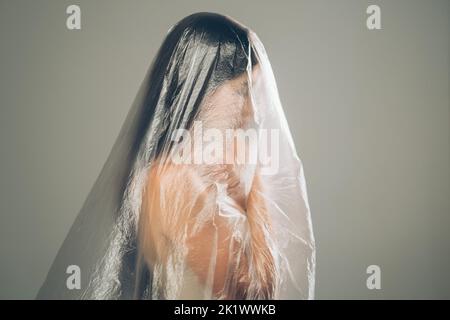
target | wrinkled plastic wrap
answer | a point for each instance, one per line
(183, 209)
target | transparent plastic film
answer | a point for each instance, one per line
(203, 195)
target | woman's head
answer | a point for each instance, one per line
(201, 53)
(208, 35)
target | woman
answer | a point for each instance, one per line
(218, 212)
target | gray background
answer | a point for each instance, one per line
(369, 112)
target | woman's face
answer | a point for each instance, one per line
(230, 106)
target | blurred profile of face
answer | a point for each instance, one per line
(229, 106)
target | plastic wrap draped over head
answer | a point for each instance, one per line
(203, 194)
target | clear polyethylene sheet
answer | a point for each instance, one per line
(203, 195)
